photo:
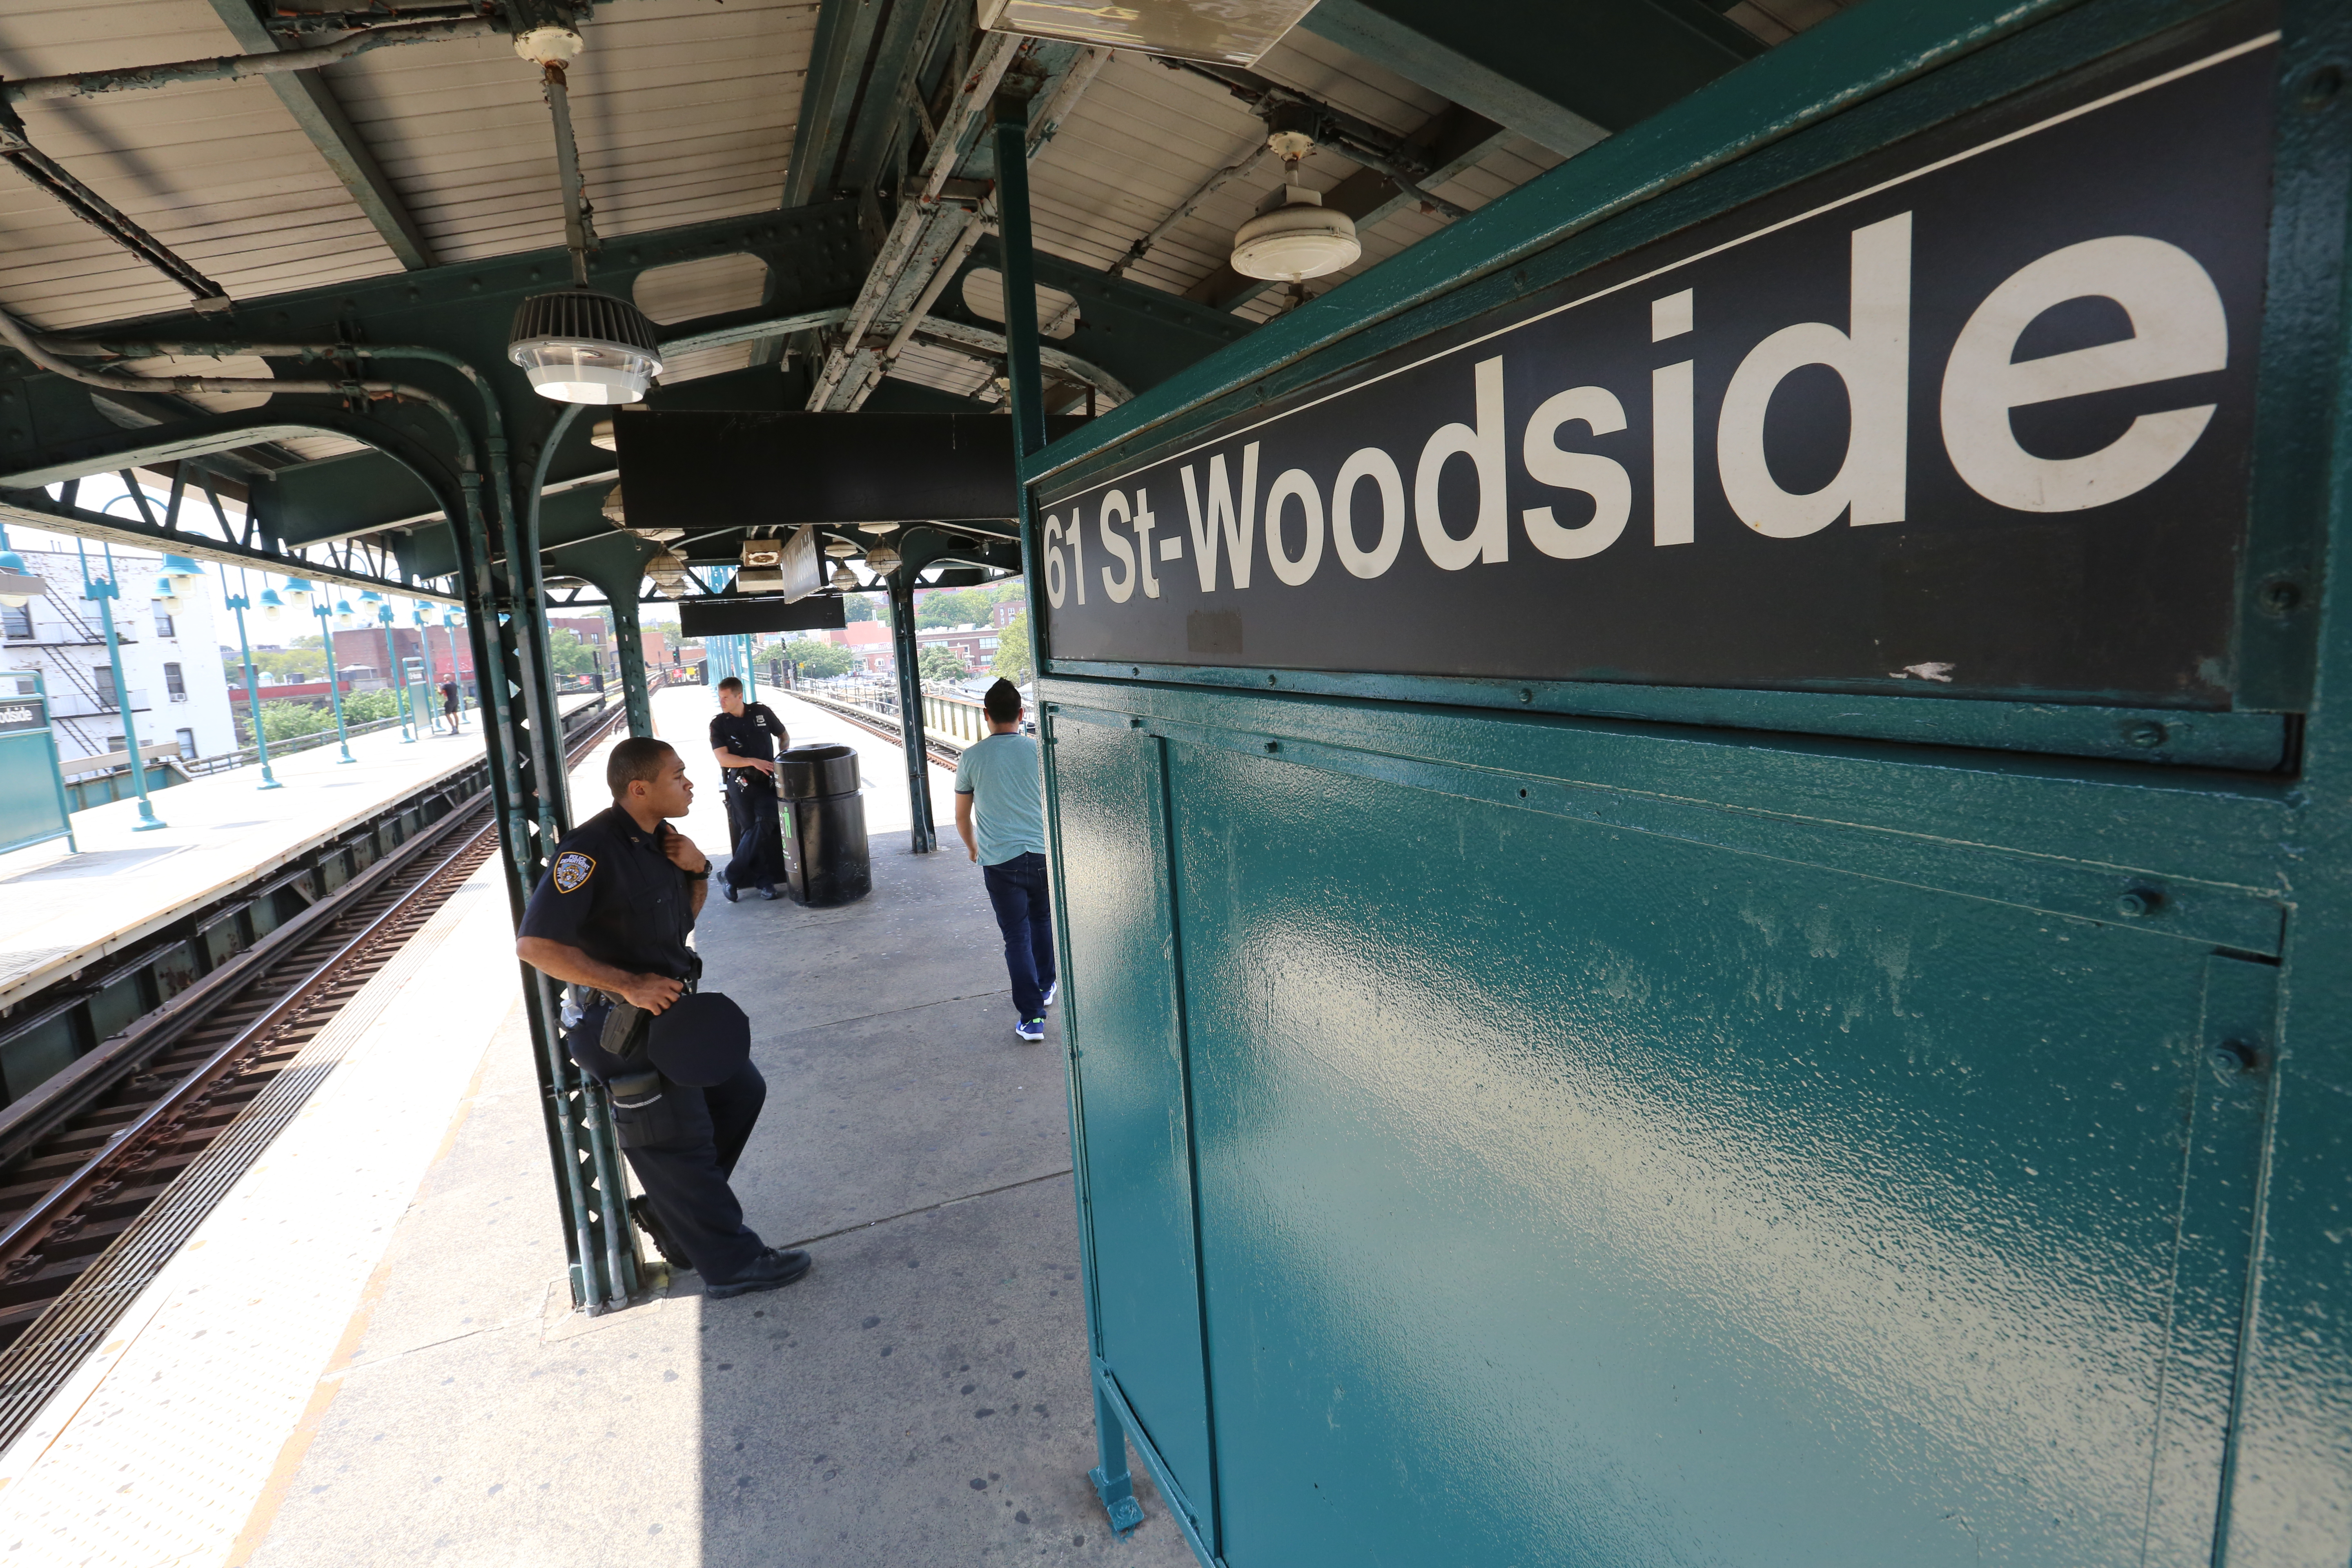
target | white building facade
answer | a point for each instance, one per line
(172, 664)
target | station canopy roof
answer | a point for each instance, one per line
(799, 196)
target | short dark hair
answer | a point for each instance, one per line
(730, 684)
(638, 759)
(1003, 702)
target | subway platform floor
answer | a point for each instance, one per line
(919, 1398)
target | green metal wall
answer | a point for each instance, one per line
(1552, 1122)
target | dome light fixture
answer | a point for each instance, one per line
(1300, 239)
(881, 560)
(182, 568)
(298, 593)
(579, 346)
(165, 588)
(18, 585)
(844, 578)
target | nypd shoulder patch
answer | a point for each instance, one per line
(571, 868)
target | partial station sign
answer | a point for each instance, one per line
(1971, 416)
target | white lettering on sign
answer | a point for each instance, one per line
(1489, 539)
(2177, 329)
(1874, 360)
(19, 716)
(1367, 463)
(1779, 444)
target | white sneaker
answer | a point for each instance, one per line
(1030, 1028)
(1050, 991)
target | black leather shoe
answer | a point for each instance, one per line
(727, 887)
(768, 891)
(775, 1269)
(674, 1255)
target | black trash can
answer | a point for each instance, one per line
(823, 822)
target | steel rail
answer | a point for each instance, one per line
(29, 1228)
(33, 1225)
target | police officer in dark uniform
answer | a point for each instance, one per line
(611, 919)
(745, 738)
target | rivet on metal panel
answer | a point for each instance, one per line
(1136, 670)
(2148, 734)
(1526, 694)
(1269, 681)
(2281, 596)
(1273, 745)
(2237, 1055)
(1135, 723)
(2321, 86)
(2138, 902)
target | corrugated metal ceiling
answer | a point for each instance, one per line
(684, 110)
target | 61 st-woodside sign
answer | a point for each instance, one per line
(1970, 415)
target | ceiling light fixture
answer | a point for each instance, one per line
(844, 578)
(18, 585)
(881, 560)
(1300, 239)
(577, 346)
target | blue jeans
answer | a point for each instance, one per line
(1017, 888)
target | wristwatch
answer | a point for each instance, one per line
(701, 876)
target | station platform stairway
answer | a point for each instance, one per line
(368, 1356)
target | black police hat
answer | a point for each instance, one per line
(700, 1039)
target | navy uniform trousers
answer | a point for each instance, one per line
(683, 1148)
(757, 857)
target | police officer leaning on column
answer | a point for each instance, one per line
(611, 919)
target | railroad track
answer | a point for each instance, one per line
(102, 1191)
(946, 752)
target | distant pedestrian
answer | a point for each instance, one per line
(1001, 814)
(449, 704)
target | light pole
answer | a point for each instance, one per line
(391, 666)
(103, 590)
(238, 604)
(298, 593)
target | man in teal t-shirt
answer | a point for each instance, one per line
(1001, 812)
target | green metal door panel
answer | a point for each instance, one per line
(31, 806)
(1572, 1194)
(1129, 1074)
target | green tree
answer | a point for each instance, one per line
(858, 606)
(953, 607)
(943, 664)
(568, 654)
(818, 660)
(1012, 651)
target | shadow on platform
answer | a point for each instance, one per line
(920, 1398)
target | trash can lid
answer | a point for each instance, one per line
(805, 772)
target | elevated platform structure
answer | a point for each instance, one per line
(221, 833)
(370, 1353)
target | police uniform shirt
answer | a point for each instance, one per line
(613, 894)
(750, 733)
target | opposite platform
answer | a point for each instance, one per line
(61, 910)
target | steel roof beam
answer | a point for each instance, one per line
(841, 62)
(313, 105)
(1562, 76)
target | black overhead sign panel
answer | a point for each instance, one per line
(1971, 416)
